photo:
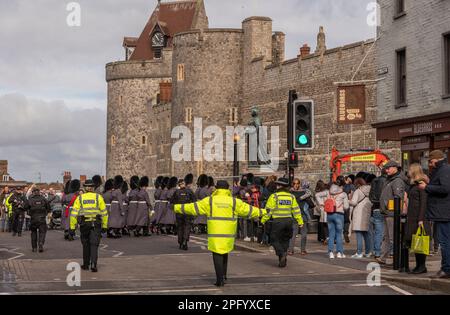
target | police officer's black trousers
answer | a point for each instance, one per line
(91, 234)
(220, 265)
(42, 228)
(280, 234)
(17, 222)
(184, 224)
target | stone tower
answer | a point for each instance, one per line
(134, 145)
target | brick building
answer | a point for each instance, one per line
(413, 62)
(176, 72)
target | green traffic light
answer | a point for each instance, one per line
(303, 140)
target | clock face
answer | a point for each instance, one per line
(158, 39)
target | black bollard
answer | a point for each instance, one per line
(397, 249)
(404, 260)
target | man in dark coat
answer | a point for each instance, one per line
(38, 208)
(438, 206)
(17, 200)
(184, 196)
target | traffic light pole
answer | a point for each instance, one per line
(290, 132)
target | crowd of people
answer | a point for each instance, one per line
(358, 204)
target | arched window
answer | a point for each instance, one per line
(144, 140)
(113, 141)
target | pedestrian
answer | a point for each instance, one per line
(415, 209)
(254, 200)
(107, 197)
(349, 187)
(184, 195)
(133, 205)
(321, 194)
(144, 208)
(222, 211)
(283, 208)
(38, 208)
(89, 211)
(201, 192)
(68, 201)
(4, 208)
(338, 200)
(360, 214)
(17, 200)
(438, 206)
(377, 218)
(301, 194)
(395, 186)
(116, 212)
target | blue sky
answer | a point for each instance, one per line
(52, 77)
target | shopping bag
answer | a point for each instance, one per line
(420, 242)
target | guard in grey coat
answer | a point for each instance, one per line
(125, 203)
(115, 219)
(168, 217)
(133, 203)
(202, 192)
(107, 198)
(144, 207)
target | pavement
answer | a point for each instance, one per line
(317, 252)
(155, 265)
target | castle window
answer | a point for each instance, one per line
(120, 100)
(157, 53)
(180, 72)
(113, 141)
(158, 99)
(188, 118)
(144, 140)
(5, 178)
(233, 115)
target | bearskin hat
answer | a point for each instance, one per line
(211, 181)
(75, 186)
(202, 180)
(134, 182)
(67, 188)
(97, 179)
(173, 182)
(158, 181)
(189, 179)
(109, 184)
(144, 182)
(165, 182)
(124, 188)
(118, 181)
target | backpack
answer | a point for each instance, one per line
(330, 205)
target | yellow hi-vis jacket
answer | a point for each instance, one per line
(222, 211)
(282, 205)
(89, 205)
(8, 205)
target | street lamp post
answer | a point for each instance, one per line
(236, 139)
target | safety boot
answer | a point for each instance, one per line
(94, 268)
(41, 248)
(282, 261)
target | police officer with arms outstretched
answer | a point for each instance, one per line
(222, 211)
(89, 211)
(38, 208)
(283, 208)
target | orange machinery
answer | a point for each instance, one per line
(376, 157)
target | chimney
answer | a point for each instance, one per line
(165, 91)
(67, 177)
(305, 50)
(83, 179)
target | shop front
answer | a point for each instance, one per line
(418, 136)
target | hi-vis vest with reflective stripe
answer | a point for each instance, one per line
(8, 204)
(282, 205)
(222, 211)
(89, 205)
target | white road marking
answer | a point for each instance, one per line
(393, 287)
(14, 251)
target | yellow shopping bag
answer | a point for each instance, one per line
(420, 242)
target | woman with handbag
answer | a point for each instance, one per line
(415, 208)
(360, 217)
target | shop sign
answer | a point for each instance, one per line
(364, 158)
(351, 104)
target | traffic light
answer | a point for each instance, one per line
(303, 125)
(293, 159)
(290, 129)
